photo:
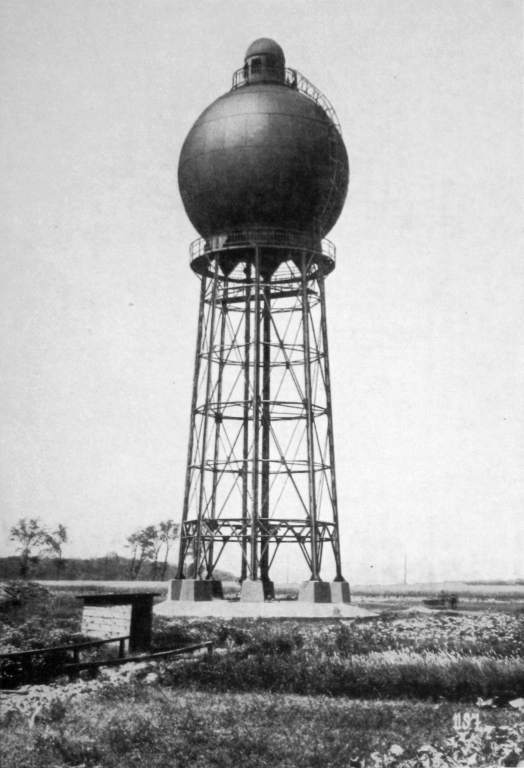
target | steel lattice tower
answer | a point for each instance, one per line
(262, 190)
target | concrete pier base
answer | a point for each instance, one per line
(192, 589)
(315, 592)
(216, 586)
(340, 592)
(252, 591)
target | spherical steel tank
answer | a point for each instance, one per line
(263, 155)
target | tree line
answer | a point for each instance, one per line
(152, 545)
(39, 548)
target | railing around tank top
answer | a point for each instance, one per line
(272, 238)
(292, 79)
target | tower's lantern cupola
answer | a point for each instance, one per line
(264, 62)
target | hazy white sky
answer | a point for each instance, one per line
(98, 304)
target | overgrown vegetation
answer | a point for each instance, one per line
(143, 725)
(454, 657)
(386, 675)
(458, 657)
(280, 693)
(36, 618)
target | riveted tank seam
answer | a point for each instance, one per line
(280, 114)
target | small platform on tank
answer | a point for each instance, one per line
(271, 609)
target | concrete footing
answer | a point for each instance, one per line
(216, 586)
(340, 592)
(257, 591)
(269, 590)
(325, 592)
(315, 592)
(198, 590)
(192, 589)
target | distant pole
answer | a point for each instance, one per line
(405, 568)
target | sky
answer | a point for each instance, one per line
(98, 305)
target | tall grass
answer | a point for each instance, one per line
(142, 726)
(389, 675)
(437, 656)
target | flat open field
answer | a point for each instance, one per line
(462, 589)
(483, 590)
(413, 688)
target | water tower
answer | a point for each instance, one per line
(263, 175)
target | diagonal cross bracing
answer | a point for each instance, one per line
(261, 431)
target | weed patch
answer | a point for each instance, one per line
(160, 727)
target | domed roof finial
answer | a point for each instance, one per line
(264, 62)
(265, 46)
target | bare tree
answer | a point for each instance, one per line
(132, 543)
(142, 543)
(54, 543)
(168, 531)
(31, 536)
(156, 545)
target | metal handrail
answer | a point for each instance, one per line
(279, 238)
(292, 79)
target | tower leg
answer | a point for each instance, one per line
(184, 534)
(331, 441)
(200, 556)
(245, 426)
(308, 405)
(218, 422)
(256, 425)
(266, 453)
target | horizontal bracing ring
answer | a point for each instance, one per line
(281, 410)
(216, 355)
(275, 466)
(277, 530)
(239, 297)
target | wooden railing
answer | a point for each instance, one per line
(157, 656)
(26, 658)
(30, 674)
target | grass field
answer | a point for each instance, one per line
(482, 590)
(391, 692)
(160, 727)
